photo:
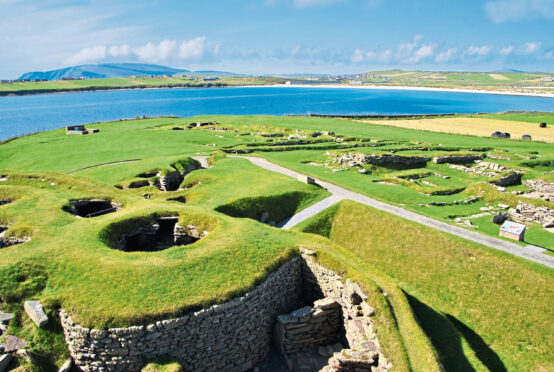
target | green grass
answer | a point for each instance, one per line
(70, 262)
(128, 83)
(482, 309)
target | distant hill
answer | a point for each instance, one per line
(105, 70)
(112, 70)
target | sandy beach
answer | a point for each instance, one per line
(428, 89)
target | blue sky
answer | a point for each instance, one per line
(279, 36)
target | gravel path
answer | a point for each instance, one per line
(529, 252)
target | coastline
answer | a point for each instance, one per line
(333, 86)
(404, 87)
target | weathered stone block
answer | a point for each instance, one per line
(35, 311)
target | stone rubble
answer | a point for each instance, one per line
(528, 213)
(35, 311)
(540, 190)
(13, 344)
(357, 159)
(457, 159)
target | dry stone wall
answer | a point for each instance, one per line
(357, 326)
(308, 327)
(234, 336)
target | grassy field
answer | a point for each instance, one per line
(482, 309)
(509, 81)
(482, 127)
(502, 82)
(69, 262)
(127, 83)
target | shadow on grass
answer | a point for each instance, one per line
(446, 332)
(486, 355)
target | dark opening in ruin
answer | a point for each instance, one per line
(7, 242)
(92, 207)
(163, 234)
(179, 199)
(5, 201)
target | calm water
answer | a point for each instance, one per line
(24, 114)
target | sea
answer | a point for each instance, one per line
(27, 114)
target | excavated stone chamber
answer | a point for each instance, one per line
(260, 330)
(87, 208)
(163, 234)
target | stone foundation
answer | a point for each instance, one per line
(363, 352)
(233, 336)
(236, 336)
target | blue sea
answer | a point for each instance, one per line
(24, 114)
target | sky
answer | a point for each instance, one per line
(279, 36)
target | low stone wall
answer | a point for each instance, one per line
(509, 180)
(234, 336)
(308, 327)
(355, 159)
(457, 159)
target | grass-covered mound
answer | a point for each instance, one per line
(278, 207)
(481, 308)
(69, 262)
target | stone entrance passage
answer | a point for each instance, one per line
(163, 234)
(92, 207)
(333, 333)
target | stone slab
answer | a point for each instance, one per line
(35, 311)
(5, 317)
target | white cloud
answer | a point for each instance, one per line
(423, 52)
(506, 50)
(118, 51)
(478, 51)
(405, 49)
(193, 48)
(530, 47)
(96, 53)
(156, 53)
(514, 10)
(358, 56)
(446, 55)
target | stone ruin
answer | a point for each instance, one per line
(9, 241)
(165, 233)
(540, 190)
(87, 208)
(339, 325)
(506, 177)
(457, 159)
(170, 181)
(528, 213)
(357, 159)
(333, 318)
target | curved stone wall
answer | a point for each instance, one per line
(234, 336)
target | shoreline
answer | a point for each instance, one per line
(329, 86)
(404, 87)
